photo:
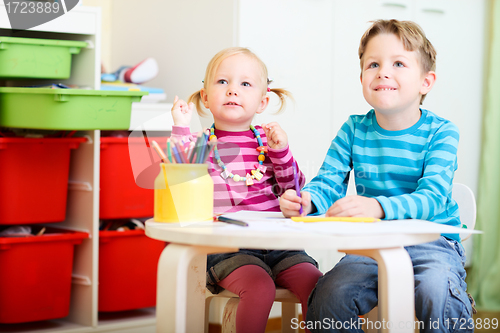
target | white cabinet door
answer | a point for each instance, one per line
(456, 30)
(351, 19)
(294, 39)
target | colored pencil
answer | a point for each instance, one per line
(179, 151)
(160, 152)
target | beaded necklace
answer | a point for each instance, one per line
(259, 170)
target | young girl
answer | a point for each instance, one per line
(250, 167)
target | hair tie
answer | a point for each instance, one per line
(268, 89)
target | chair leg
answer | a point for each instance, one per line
(229, 315)
(288, 311)
(370, 319)
(207, 312)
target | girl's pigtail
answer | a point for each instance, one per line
(196, 99)
(283, 95)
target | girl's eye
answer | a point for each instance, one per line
(222, 81)
(373, 65)
(245, 84)
(399, 64)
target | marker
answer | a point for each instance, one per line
(231, 221)
(297, 186)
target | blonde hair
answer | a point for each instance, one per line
(410, 34)
(214, 64)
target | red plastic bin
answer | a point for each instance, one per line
(34, 179)
(128, 262)
(120, 196)
(35, 275)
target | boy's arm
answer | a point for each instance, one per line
(331, 182)
(434, 187)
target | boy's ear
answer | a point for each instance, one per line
(428, 83)
(263, 104)
(204, 97)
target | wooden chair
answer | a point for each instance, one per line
(289, 309)
(466, 201)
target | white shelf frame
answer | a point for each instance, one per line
(84, 24)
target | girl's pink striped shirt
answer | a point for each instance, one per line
(238, 152)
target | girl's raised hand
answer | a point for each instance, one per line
(182, 112)
(276, 136)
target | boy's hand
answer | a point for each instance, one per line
(356, 206)
(276, 137)
(182, 112)
(290, 203)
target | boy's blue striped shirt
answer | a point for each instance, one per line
(410, 172)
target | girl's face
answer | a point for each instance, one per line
(236, 94)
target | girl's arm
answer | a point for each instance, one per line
(281, 157)
(182, 114)
(282, 161)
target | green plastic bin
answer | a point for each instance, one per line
(37, 58)
(66, 109)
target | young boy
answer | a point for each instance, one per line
(404, 159)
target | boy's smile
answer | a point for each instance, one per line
(393, 82)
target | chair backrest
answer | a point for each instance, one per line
(466, 201)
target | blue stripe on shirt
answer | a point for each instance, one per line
(410, 172)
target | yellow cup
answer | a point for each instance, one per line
(183, 193)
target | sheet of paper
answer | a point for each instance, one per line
(261, 221)
(382, 227)
(274, 221)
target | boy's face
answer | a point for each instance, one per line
(236, 93)
(392, 77)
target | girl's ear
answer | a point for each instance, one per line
(263, 104)
(204, 97)
(428, 83)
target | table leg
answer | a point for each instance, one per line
(395, 289)
(180, 300)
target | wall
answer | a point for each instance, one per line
(132, 32)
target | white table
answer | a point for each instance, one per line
(180, 305)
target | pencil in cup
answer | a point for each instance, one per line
(187, 152)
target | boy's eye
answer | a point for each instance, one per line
(222, 81)
(373, 65)
(245, 84)
(399, 64)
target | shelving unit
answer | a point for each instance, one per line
(84, 24)
(151, 116)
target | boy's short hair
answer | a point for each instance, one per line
(411, 35)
